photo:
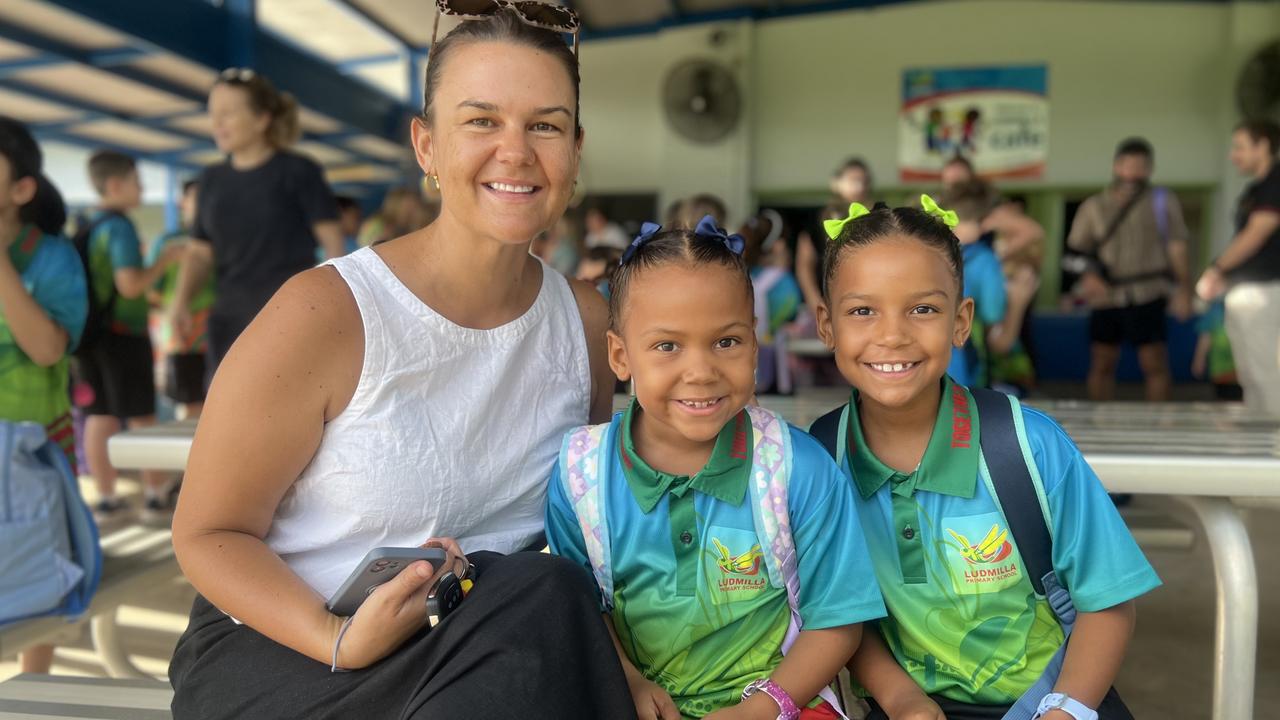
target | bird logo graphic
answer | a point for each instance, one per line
(748, 563)
(993, 548)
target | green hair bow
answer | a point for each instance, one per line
(948, 217)
(835, 227)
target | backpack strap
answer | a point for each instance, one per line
(770, 475)
(584, 463)
(1003, 439)
(1160, 201)
(826, 430)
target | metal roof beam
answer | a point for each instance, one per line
(200, 32)
(376, 23)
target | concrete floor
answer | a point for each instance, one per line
(1168, 673)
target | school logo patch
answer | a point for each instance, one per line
(733, 565)
(979, 554)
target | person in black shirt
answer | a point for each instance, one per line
(1250, 267)
(260, 213)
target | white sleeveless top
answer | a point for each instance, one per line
(451, 432)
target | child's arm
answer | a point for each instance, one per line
(875, 669)
(813, 662)
(652, 702)
(1094, 655)
(132, 282)
(1200, 360)
(42, 339)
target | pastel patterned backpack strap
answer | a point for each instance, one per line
(583, 464)
(770, 475)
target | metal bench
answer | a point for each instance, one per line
(72, 698)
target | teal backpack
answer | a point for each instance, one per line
(585, 461)
(51, 563)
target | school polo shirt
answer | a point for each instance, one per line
(984, 282)
(963, 617)
(113, 246)
(692, 602)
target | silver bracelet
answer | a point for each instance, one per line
(333, 667)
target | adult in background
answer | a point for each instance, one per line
(260, 213)
(1250, 266)
(1134, 244)
(413, 392)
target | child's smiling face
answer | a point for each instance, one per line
(687, 339)
(895, 312)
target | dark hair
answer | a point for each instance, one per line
(190, 185)
(285, 127)
(502, 26)
(1136, 146)
(107, 164)
(961, 160)
(666, 248)
(46, 210)
(971, 200)
(345, 203)
(1259, 129)
(883, 222)
(856, 163)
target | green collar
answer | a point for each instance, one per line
(950, 462)
(724, 477)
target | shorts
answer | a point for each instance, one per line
(120, 374)
(1135, 324)
(184, 377)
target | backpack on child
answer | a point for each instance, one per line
(584, 469)
(1018, 488)
(51, 562)
(97, 322)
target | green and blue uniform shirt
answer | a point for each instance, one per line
(113, 246)
(963, 620)
(52, 274)
(692, 602)
(167, 286)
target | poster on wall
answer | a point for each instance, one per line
(997, 117)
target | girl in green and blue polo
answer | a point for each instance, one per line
(726, 545)
(966, 635)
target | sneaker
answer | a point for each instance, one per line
(156, 510)
(108, 509)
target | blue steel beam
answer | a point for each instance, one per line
(200, 32)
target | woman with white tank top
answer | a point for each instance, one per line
(414, 392)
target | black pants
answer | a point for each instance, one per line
(1111, 708)
(527, 642)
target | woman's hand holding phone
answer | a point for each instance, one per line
(394, 611)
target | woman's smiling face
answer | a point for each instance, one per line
(501, 139)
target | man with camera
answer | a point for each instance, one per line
(1131, 246)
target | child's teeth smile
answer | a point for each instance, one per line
(892, 367)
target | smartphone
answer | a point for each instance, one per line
(378, 566)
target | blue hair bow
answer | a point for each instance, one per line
(647, 231)
(706, 229)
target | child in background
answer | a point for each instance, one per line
(983, 282)
(777, 296)
(43, 303)
(184, 356)
(968, 634)
(1213, 359)
(117, 365)
(597, 266)
(731, 564)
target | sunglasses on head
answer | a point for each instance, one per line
(538, 14)
(234, 74)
